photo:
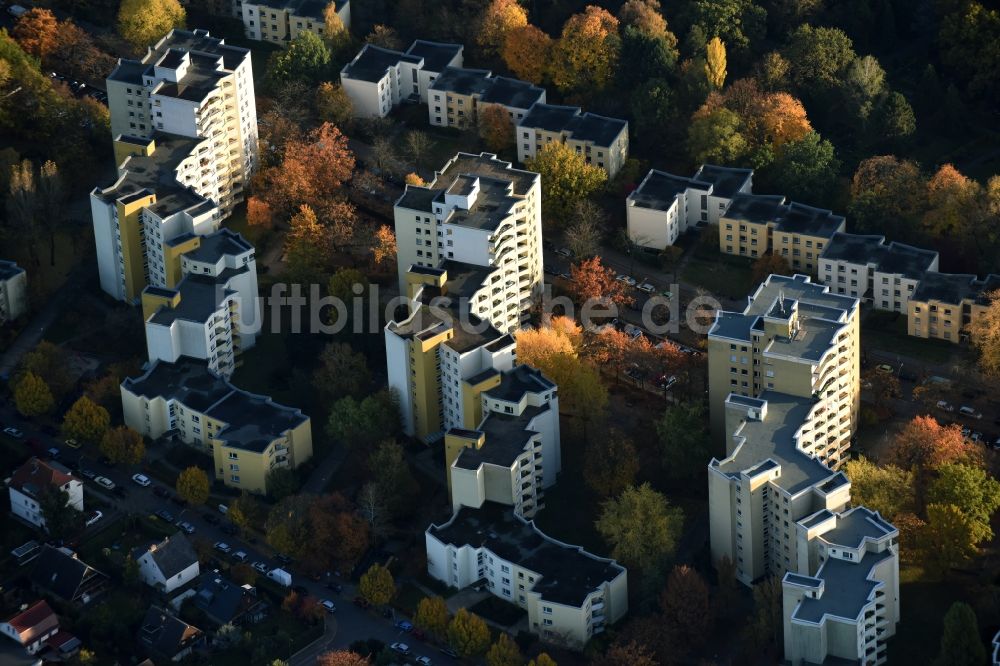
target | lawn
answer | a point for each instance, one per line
(886, 331)
(730, 277)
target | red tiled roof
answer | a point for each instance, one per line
(38, 474)
(37, 620)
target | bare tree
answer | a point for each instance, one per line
(383, 154)
(51, 203)
(417, 146)
(583, 237)
(371, 505)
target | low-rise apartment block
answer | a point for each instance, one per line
(601, 141)
(193, 85)
(248, 435)
(665, 206)
(213, 312)
(512, 452)
(944, 304)
(755, 224)
(884, 274)
(13, 291)
(29, 483)
(794, 337)
(380, 79)
(456, 96)
(569, 594)
(478, 211)
(281, 21)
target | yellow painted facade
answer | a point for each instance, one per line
(424, 372)
(151, 302)
(472, 403)
(130, 228)
(755, 239)
(172, 258)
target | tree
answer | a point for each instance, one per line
(385, 36)
(590, 280)
(925, 444)
(894, 117)
(306, 59)
(192, 485)
(683, 441)
(376, 585)
(341, 371)
(770, 264)
(75, 54)
(887, 195)
(384, 248)
(131, 572)
(86, 421)
(259, 213)
(243, 574)
(586, 55)
(652, 108)
(566, 179)
(641, 527)
(504, 652)
(610, 464)
(432, 616)
(371, 507)
(973, 490)
(967, 40)
(341, 658)
(307, 247)
(650, 56)
(543, 659)
(739, 23)
(864, 83)
(468, 635)
(143, 22)
(391, 472)
(383, 154)
(244, 511)
(772, 72)
(627, 654)
(36, 32)
(715, 136)
(583, 235)
(335, 33)
(333, 105)
(32, 396)
(415, 180)
(501, 17)
(947, 540)
(496, 129)
(686, 607)
(526, 52)
(781, 119)
(888, 489)
(818, 58)
(51, 363)
(715, 63)
(123, 445)
(882, 385)
(61, 520)
(361, 424)
(807, 168)
(960, 642)
(950, 196)
(765, 627)
(644, 16)
(281, 482)
(984, 332)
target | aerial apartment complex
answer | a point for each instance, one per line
(13, 291)
(247, 435)
(945, 304)
(796, 338)
(665, 206)
(379, 79)
(457, 95)
(281, 21)
(601, 141)
(569, 594)
(185, 130)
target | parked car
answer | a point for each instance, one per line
(423, 661)
(627, 279)
(72, 443)
(54, 452)
(94, 517)
(329, 606)
(965, 410)
(211, 518)
(223, 547)
(160, 491)
(403, 625)
(884, 368)
(165, 515)
(88, 473)
(141, 480)
(13, 432)
(646, 287)
(449, 651)
(565, 252)
(945, 405)
(260, 567)
(283, 559)
(240, 556)
(186, 527)
(663, 383)
(280, 576)
(401, 648)
(104, 482)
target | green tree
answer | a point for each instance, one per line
(391, 473)
(960, 641)
(61, 520)
(818, 58)
(306, 59)
(807, 169)
(968, 43)
(716, 137)
(192, 486)
(281, 482)
(432, 616)
(86, 421)
(739, 23)
(610, 464)
(361, 424)
(649, 56)
(652, 108)
(377, 586)
(864, 83)
(123, 445)
(287, 526)
(641, 527)
(566, 179)
(468, 635)
(245, 511)
(894, 118)
(32, 396)
(130, 572)
(947, 540)
(763, 632)
(504, 652)
(887, 489)
(51, 363)
(683, 441)
(350, 286)
(142, 23)
(333, 105)
(973, 490)
(341, 371)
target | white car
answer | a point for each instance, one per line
(401, 648)
(13, 432)
(329, 606)
(94, 517)
(141, 479)
(423, 661)
(104, 482)
(223, 547)
(970, 412)
(646, 287)
(240, 556)
(630, 281)
(945, 405)
(261, 567)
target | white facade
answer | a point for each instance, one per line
(13, 291)
(30, 481)
(281, 21)
(600, 141)
(151, 567)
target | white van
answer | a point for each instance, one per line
(281, 577)
(223, 509)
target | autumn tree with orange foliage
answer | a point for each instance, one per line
(501, 17)
(887, 195)
(36, 32)
(924, 445)
(770, 264)
(307, 247)
(535, 346)
(342, 658)
(643, 15)
(496, 129)
(259, 213)
(384, 247)
(586, 56)
(608, 348)
(951, 196)
(526, 51)
(686, 608)
(627, 654)
(591, 280)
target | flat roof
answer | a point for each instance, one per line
(507, 436)
(436, 55)
(659, 189)
(953, 288)
(372, 63)
(847, 588)
(754, 208)
(9, 269)
(222, 243)
(799, 218)
(857, 525)
(726, 181)
(518, 381)
(463, 81)
(566, 574)
(514, 93)
(201, 297)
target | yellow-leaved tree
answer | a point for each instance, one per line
(86, 421)
(715, 63)
(142, 23)
(32, 396)
(192, 485)
(501, 17)
(377, 586)
(586, 55)
(984, 333)
(123, 445)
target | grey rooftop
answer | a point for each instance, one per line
(897, 258)
(587, 127)
(847, 589)
(659, 189)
